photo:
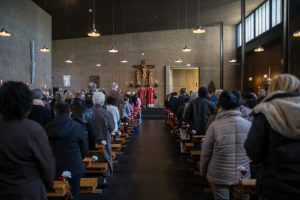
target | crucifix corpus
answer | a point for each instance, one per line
(143, 74)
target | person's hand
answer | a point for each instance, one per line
(104, 142)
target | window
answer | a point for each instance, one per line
(250, 27)
(238, 35)
(262, 19)
(276, 12)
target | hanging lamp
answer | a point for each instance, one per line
(186, 48)
(113, 49)
(296, 34)
(178, 60)
(199, 29)
(94, 32)
(233, 60)
(44, 49)
(124, 60)
(188, 65)
(98, 65)
(69, 61)
(4, 33)
(259, 49)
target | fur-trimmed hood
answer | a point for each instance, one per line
(282, 111)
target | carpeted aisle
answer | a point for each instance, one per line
(152, 169)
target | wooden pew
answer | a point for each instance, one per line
(60, 189)
(195, 155)
(116, 147)
(198, 138)
(247, 186)
(89, 186)
(97, 168)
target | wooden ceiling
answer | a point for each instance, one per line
(72, 19)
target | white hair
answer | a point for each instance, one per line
(114, 86)
(262, 93)
(194, 95)
(98, 98)
(218, 93)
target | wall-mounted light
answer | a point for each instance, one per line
(4, 33)
(259, 49)
(156, 84)
(143, 53)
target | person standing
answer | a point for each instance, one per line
(27, 165)
(223, 148)
(198, 111)
(69, 143)
(111, 107)
(118, 96)
(104, 127)
(39, 112)
(273, 142)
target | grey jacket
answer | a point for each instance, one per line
(197, 114)
(223, 149)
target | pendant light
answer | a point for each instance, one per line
(178, 60)
(4, 33)
(188, 65)
(94, 32)
(186, 48)
(69, 61)
(233, 60)
(44, 49)
(199, 29)
(98, 65)
(113, 49)
(296, 34)
(259, 49)
(124, 60)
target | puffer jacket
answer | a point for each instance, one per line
(223, 149)
(273, 144)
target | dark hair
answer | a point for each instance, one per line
(37, 93)
(61, 108)
(15, 100)
(203, 92)
(111, 100)
(238, 94)
(229, 100)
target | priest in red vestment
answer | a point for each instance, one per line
(150, 97)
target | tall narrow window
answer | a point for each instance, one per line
(239, 35)
(276, 12)
(262, 19)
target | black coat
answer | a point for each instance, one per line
(69, 143)
(40, 114)
(86, 118)
(27, 165)
(197, 114)
(278, 160)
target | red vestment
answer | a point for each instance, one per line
(142, 94)
(150, 96)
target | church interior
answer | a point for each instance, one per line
(149, 99)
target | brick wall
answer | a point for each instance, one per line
(26, 21)
(161, 48)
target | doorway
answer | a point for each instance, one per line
(182, 77)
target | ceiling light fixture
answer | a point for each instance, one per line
(124, 60)
(98, 65)
(199, 29)
(143, 53)
(178, 60)
(113, 49)
(69, 61)
(296, 34)
(186, 48)
(233, 60)
(94, 32)
(250, 78)
(4, 33)
(188, 65)
(259, 49)
(44, 49)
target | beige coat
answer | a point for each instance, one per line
(223, 149)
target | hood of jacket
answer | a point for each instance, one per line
(282, 111)
(228, 113)
(59, 128)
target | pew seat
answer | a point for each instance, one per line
(60, 189)
(195, 155)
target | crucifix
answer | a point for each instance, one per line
(143, 75)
